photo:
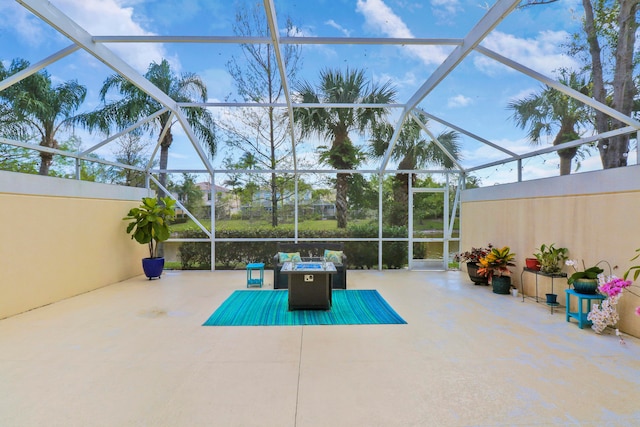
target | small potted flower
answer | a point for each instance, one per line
(584, 281)
(472, 258)
(495, 266)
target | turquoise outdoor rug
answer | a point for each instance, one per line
(270, 308)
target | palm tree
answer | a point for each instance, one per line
(413, 152)
(44, 108)
(135, 105)
(551, 111)
(335, 124)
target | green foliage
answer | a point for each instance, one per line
(589, 273)
(635, 268)
(194, 255)
(189, 194)
(43, 107)
(551, 258)
(150, 222)
(18, 159)
(197, 255)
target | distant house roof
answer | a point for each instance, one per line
(206, 187)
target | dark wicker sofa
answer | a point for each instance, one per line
(310, 249)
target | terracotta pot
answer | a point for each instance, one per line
(532, 264)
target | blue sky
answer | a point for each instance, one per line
(473, 96)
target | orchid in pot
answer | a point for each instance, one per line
(585, 281)
(606, 313)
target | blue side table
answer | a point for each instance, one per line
(252, 281)
(580, 315)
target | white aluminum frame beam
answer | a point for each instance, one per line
(434, 139)
(485, 25)
(65, 25)
(34, 68)
(125, 131)
(560, 87)
(272, 20)
(282, 40)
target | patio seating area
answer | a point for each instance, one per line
(135, 353)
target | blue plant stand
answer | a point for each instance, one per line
(580, 315)
(253, 281)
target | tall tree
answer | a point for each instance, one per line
(44, 108)
(132, 151)
(413, 151)
(189, 194)
(551, 112)
(335, 124)
(608, 40)
(11, 125)
(262, 132)
(135, 105)
(613, 23)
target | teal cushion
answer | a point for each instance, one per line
(289, 257)
(333, 256)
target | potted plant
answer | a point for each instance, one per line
(551, 258)
(634, 268)
(585, 281)
(472, 258)
(495, 266)
(150, 225)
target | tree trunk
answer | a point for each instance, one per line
(274, 201)
(46, 158)
(272, 142)
(164, 161)
(342, 186)
(613, 151)
(45, 161)
(400, 210)
(566, 134)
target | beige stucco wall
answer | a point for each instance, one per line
(592, 214)
(61, 238)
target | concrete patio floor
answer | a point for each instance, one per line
(135, 354)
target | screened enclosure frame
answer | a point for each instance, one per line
(411, 108)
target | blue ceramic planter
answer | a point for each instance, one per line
(585, 286)
(153, 267)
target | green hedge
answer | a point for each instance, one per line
(230, 255)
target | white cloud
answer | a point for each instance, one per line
(110, 17)
(219, 83)
(458, 101)
(346, 32)
(445, 7)
(23, 22)
(307, 32)
(524, 93)
(542, 54)
(380, 18)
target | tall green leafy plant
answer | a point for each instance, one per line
(150, 222)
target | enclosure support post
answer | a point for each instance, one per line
(380, 178)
